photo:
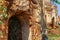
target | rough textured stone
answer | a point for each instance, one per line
(31, 29)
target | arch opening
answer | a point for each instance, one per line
(17, 29)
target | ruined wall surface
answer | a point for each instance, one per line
(34, 21)
(30, 15)
(35, 27)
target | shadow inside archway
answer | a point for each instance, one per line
(17, 29)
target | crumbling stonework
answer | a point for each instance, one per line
(29, 14)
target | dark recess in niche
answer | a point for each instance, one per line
(14, 29)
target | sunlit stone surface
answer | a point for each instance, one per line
(20, 5)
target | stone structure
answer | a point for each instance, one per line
(28, 13)
(59, 19)
(50, 12)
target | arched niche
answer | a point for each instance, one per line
(18, 28)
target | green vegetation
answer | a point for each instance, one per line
(56, 1)
(3, 14)
(1, 33)
(53, 37)
(1, 22)
(4, 8)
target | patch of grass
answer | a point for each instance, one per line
(53, 37)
